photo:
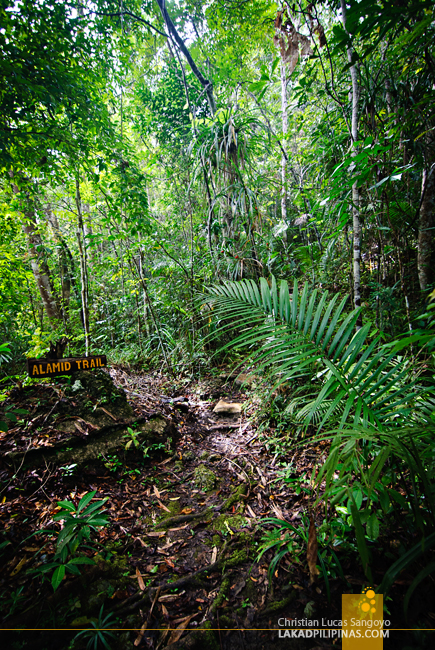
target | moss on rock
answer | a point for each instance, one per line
(239, 492)
(204, 478)
(222, 594)
(224, 522)
(277, 605)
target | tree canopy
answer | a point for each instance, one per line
(184, 184)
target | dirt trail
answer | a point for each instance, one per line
(181, 549)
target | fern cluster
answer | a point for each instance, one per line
(308, 336)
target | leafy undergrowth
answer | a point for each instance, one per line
(184, 561)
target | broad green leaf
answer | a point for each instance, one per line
(85, 500)
(58, 576)
(372, 527)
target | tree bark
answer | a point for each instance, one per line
(426, 229)
(83, 266)
(38, 261)
(205, 83)
(64, 255)
(355, 192)
(284, 144)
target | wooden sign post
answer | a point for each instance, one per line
(55, 367)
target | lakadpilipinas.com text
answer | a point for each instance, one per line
(302, 628)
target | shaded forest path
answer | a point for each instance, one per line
(178, 561)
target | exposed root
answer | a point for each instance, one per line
(182, 519)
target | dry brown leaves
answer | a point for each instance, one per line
(289, 40)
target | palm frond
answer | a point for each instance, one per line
(309, 335)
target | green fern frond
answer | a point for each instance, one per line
(306, 334)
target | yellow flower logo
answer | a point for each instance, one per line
(367, 601)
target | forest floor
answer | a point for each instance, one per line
(178, 565)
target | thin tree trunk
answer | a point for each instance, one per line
(355, 191)
(83, 266)
(426, 229)
(145, 307)
(87, 226)
(284, 144)
(63, 254)
(38, 261)
(31, 303)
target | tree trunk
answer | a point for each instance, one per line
(63, 253)
(83, 266)
(426, 229)
(284, 144)
(355, 191)
(87, 229)
(38, 261)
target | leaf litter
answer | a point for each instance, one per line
(176, 554)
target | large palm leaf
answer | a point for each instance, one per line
(308, 334)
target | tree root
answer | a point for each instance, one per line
(222, 594)
(202, 637)
(279, 604)
(182, 519)
(142, 599)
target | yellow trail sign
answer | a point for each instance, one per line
(55, 367)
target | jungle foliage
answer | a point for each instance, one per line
(151, 150)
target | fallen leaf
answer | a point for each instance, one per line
(169, 598)
(312, 551)
(176, 634)
(162, 506)
(140, 580)
(164, 610)
(213, 555)
(229, 529)
(180, 620)
(168, 545)
(251, 512)
(186, 511)
(109, 414)
(156, 534)
(141, 633)
(80, 428)
(164, 634)
(156, 492)
(254, 579)
(238, 587)
(120, 594)
(172, 530)
(277, 510)
(19, 566)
